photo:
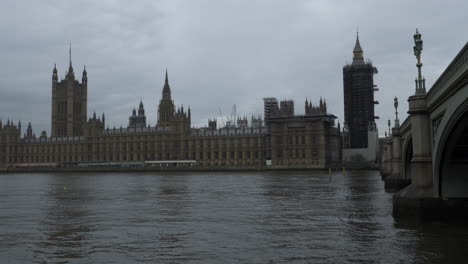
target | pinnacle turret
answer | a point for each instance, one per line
(141, 109)
(84, 77)
(54, 73)
(137, 121)
(29, 132)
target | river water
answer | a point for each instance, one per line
(229, 217)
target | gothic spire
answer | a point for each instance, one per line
(357, 51)
(54, 73)
(141, 109)
(357, 46)
(166, 89)
(70, 67)
(84, 77)
(29, 132)
(166, 82)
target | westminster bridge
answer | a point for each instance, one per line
(426, 157)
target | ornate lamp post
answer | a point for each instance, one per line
(421, 163)
(413, 199)
(395, 104)
(389, 129)
(418, 47)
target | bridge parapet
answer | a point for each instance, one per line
(445, 83)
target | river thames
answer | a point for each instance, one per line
(214, 217)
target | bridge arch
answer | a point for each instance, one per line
(451, 161)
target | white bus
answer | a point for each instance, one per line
(171, 163)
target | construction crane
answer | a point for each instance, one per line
(231, 119)
(233, 115)
(221, 115)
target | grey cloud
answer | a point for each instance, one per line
(218, 53)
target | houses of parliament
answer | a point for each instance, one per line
(282, 140)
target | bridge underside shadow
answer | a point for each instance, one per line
(454, 162)
(407, 159)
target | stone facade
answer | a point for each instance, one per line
(304, 142)
(69, 103)
(309, 141)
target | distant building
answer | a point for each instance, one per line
(358, 87)
(166, 110)
(69, 103)
(137, 121)
(270, 107)
(212, 124)
(292, 141)
(256, 121)
(242, 122)
(360, 134)
(320, 109)
(287, 108)
(307, 141)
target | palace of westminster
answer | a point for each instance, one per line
(282, 140)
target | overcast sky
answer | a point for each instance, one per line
(218, 53)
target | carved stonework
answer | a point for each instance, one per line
(435, 127)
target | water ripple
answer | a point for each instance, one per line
(267, 217)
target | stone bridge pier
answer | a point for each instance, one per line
(396, 179)
(420, 190)
(386, 167)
